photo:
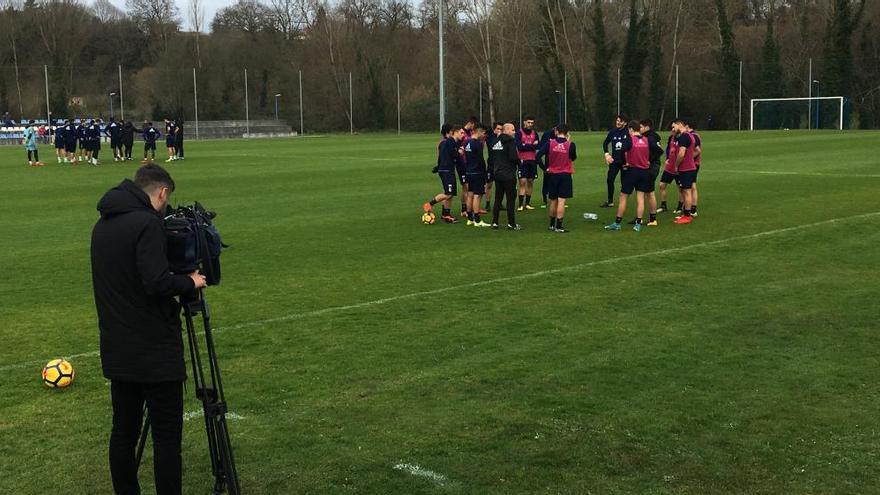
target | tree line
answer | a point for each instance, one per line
(578, 47)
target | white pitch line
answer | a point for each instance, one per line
(785, 172)
(524, 276)
(198, 413)
(416, 470)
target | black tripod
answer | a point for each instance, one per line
(213, 400)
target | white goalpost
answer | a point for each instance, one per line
(789, 112)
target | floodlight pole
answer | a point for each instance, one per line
(520, 99)
(440, 55)
(740, 95)
(111, 104)
(48, 111)
(350, 104)
(398, 103)
(481, 98)
(196, 102)
(810, 94)
(121, 103)
(565, 97)
(302, 129)
(247, 110)
(277, 95)
(676, 90)
(618, 91)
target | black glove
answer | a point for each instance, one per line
(434, 170)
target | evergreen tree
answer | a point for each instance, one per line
(772, 82)
(602, 68)
(837, 73)
(657, 84)
(633, 62)
(728, 60)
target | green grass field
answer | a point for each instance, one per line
(738, 354)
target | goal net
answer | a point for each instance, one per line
(825, 112)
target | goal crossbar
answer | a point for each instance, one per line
(808, 99)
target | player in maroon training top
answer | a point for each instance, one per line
(698, 158)
(686, 169)
(637, 155)
(669, 174)
(560, 152)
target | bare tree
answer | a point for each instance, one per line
(157, 19)
(107, 12)
(12, 29)
(195, 12)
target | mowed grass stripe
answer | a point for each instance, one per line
(747, 369)
(542, 273)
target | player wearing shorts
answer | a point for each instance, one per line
(669, 174)
(60, 154)
(150, 135)
(686, 169)
(114, 132)
(637, 156)
(70, 141)
(490, 169)
(476, 175)
(526, 147)
(548, 135)
(94, 137)
(656, 151)
(82, 138)
(698, 158)
(170, 139)
(448, 158)
(561, 154)
(461, 168)
(613, 147)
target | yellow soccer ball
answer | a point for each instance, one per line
(58, 373)
(428, 218)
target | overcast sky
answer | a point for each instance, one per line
(211, 8)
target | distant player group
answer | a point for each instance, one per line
(81, 142)
(632, 149)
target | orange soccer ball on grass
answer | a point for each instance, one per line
(58, 373)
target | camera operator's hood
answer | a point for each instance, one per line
(124, 198)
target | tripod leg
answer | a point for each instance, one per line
(142, 440)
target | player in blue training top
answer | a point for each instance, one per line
(150, 135)
(476, 175)
(113, 130)
(448, 158)
(82, 138)
(59, 144)
(614, 155)
(94, 141)
(170, 137)
(70, 141)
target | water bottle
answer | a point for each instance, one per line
(591, 216)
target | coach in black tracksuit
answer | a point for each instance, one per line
(505, 161)
(128, 130)
(139, 322)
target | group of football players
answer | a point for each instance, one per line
(632, 149)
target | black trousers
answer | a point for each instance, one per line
(165, 402)
(613, 170)
(178, 147)
(128, 145)
(505, 188)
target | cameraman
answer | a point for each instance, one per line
(139, 321)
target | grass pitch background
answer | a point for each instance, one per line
(747, 365)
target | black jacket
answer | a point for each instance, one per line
(504, 158)
(127, 132)
(138, 318)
